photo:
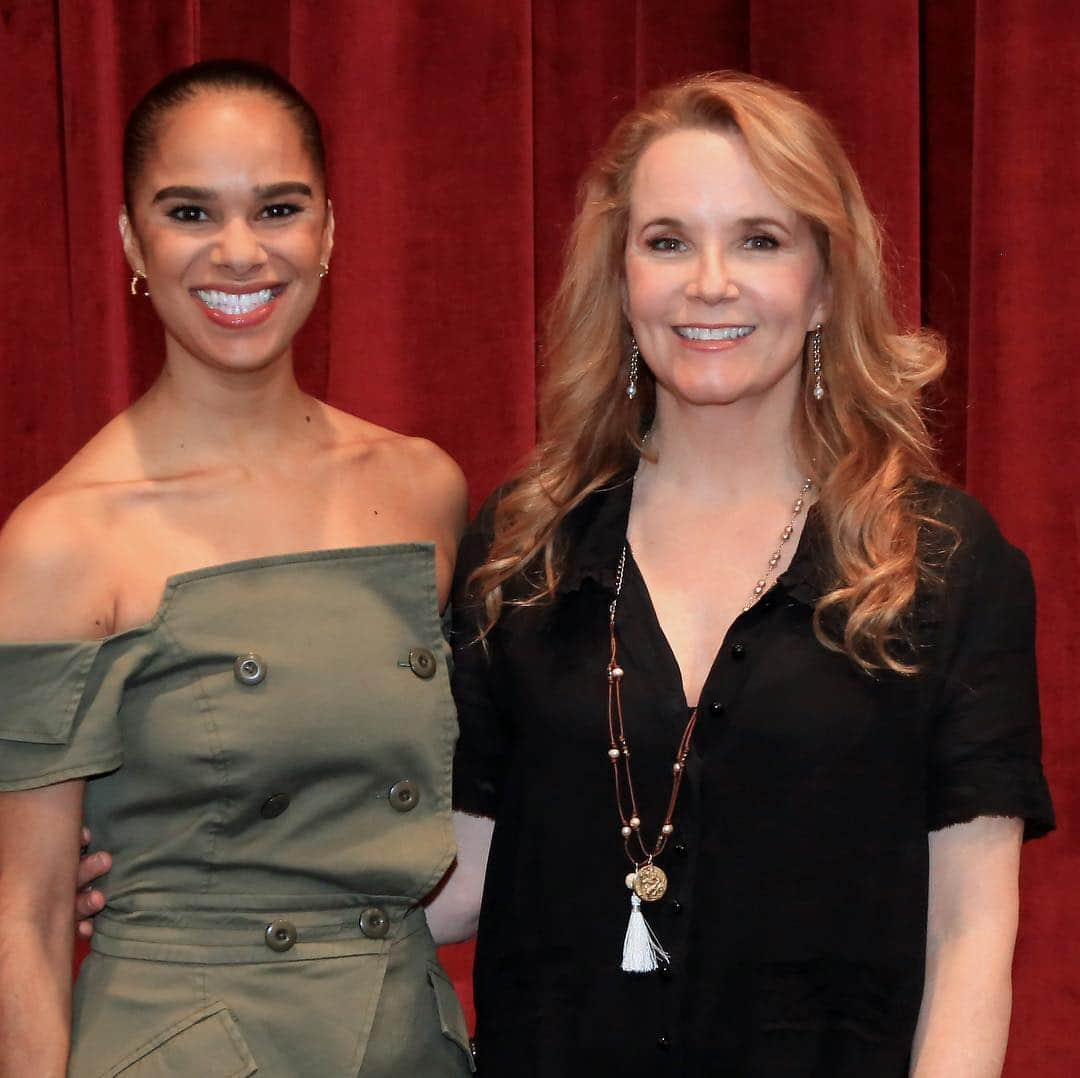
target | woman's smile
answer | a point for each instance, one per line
(234, 308)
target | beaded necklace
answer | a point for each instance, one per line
(647, 881)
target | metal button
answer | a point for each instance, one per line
(404, 795)
(374, 923)
(422, 662)
(280, 935)
(717, 708)
(738, 651)
(249, 669)
(274, 806)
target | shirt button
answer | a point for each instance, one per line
(717, 708)
(663, 1041)
(274, 806)
(422, 662)
(680, 848)
(374, 923)
(404, 795)
(249, 668)
(738, 651)
(280, 935)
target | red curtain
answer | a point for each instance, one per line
(457, 132)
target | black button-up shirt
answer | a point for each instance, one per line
(796, 910)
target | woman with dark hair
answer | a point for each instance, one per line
(748, 692)
(221, 640)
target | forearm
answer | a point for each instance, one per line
(964, 1021)
(35, 1004)
(454, 909)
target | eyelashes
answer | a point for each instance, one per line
(191, 214)
(759, 241)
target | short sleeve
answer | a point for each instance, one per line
(479, 761)
(59, 707)
(986, 741)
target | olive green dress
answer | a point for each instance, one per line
(269, 761)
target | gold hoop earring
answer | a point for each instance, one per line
(324, 269)
(136, 277)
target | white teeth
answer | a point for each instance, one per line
(719, 333)
(233, 303)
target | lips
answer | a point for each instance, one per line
(238, 309)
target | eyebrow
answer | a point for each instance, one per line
(741, 223)
(208, 194)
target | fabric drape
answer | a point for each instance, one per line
(457, 132)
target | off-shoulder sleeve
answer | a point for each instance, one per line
(479, 761)
(986, 742)
(58, 711)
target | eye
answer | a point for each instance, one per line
(761, 242)
(665, 244)
(280, 210)
(188, 214)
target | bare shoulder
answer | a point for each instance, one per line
(416, 465)
(54, 552)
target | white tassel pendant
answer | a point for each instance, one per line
(642, 952)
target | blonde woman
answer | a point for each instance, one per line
(748, 692)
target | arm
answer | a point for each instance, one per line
(454, 909)
(964, 1021)
(50, 589)
(39, 847)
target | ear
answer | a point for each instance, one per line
(328, 233)
(819, 316)
(132, 248)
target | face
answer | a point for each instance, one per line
(723, 280)
(229, 223)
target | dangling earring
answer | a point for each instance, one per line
(324, 269)
(815, 362)
(632, 365)
(136, 277)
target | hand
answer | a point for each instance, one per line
(88, 902)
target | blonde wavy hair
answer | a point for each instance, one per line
(865, 445)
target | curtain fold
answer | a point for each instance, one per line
(458, 130)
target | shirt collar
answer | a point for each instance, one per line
(596, 530)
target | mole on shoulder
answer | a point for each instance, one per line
(307, 419)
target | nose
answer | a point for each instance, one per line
(238, 248)
(711, 280)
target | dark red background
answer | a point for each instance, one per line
(457, 131)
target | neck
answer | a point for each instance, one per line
(226, 413)
(725, 454)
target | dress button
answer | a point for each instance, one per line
(422, 662)
(717, 708)
(738, 651)
(249, 669)
(662, 1041)
(665, 972)
(280, 935)
(404, 795)
(274, 806)
(374, 923)
(680, 848)
(676, 906)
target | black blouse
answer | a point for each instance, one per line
(796, 912)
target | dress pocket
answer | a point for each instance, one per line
(205, 1044)
(451, 1017)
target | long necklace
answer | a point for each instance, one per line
(647, 881)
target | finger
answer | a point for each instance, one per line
(90, 867)
(84, 929)
(87, 903)
(84, 836)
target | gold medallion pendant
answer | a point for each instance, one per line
(650, 883)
